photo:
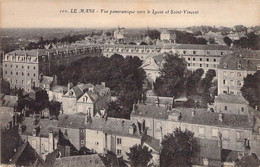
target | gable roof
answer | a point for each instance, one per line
(150, 111)
(231, 98)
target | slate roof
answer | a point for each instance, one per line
(231, 62)
(32, 52)
(45, 126)
(46, 80)
(18, 153)
(150, 111)
(9, 101)
(76, 121)
(202, 47)
(236, 99)
(162, 100)
(58, 88)
(201, 117)
(152, 142)
(92, 160)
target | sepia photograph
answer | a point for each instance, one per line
(141, 83)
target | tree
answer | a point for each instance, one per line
(178, 149)
(139, 156)
(192, 82)
(5, 87)
(171, 81)
(54, 108)
(227, 40)
(211, 40)
(251, 89)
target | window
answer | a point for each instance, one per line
(207, 65)
(200, 65)
(239, 83)
(188, 64)
(214, 60)
(232, 82)
(34, 74)
(28, 74)
(82, 130)
(201, 130)
(225, 73)
(194, 59)
(5, 72)
(11, 66)
(22, 73)
(34, 67)
(118, 152)
(16, 66)
(184, 52)
(22, 82)
(207, 59)
(28, 67)
(242, 109)
(239, 135)
(82, 142)
(239, 74)
(5, 65)
(16, 73)
(11, 81)
(119, 141)
(200, 59)
(194, 52)
(224, 81)
(96, 143)
(214, 132)
(22, 67)
(225, 108)
(239, 66)
(16, 81)
(189, 59)
(11, 73)
(221, 53)
(232, 74)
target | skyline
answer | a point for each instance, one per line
(37, 14)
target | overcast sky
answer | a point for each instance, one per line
(41, 14)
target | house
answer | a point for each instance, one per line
(154, 145)
(233, 68)
(234, 132)
(42, 134)
(86, 98)
(56, 92)
(168, 35)
(231, 104)
(47, 82)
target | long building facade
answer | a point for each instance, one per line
(25, 68)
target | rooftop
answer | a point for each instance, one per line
(80, 160)
(231, 98)
(45, 126)
(152, 142)
(201, 116)
(202, 47)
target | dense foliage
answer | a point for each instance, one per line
(139, 156)
(171, 81)
(251, 41)
(122, 75)
(178, 149)
(251, 89)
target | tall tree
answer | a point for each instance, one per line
(139, 156)
(178, 149)
(171, 81)
(251, 89)
(227, 40)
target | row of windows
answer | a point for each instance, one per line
(232, 74)
(17, 73)
(232, 83)
(201, 65)
(17, 66)
(195, 52)
(200, 59)
(224, 134)
(226, 108)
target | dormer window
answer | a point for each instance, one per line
(239, 66)
(34, 132)
(85, 99)
(225, 65)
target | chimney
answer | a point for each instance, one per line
(193, 113)
(220, 117)
(69, 85)
(67, 151)
(103, 84)
(51, 141)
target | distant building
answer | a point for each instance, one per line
(24, 68)
(153, 100)
(42, 134)
(124, 35)
(56, 92)
(168, 35)
(86, 98)
(232, 70)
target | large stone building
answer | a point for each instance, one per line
(233, 68)
(233, 132)
(25, 68)
(86, 98)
